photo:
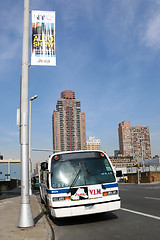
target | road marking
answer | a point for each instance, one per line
(123, 189)
(157, 187)
(153, 198)
(140, 213)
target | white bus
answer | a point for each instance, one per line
(78, 183)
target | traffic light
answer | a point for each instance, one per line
(138, 165)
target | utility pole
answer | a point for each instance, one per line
(138, 173)
(25, 216)
(138, 165)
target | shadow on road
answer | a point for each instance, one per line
(36, 219)
(85, 219)
(11, 193)
(16, 192)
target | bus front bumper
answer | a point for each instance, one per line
(86, 209)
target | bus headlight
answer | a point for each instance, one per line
(110, 193)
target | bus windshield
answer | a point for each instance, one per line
(81, 171)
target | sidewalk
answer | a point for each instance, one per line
(9, 214)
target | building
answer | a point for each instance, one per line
(68, 124)
(134, 141)
(149, 174)
(83, 130)
(116, 152)
(120, 161)
(93, 143)
(10, 169)
(37, 169)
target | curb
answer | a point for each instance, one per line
(47, 223)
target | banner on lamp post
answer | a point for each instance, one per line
(43, 38)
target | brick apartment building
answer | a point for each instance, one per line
(68, 124)
(134, 141)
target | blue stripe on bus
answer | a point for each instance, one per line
(110, 185)
(58, 191)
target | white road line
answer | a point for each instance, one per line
(140, 213)
(153, 198)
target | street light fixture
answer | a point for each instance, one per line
(30, 164)
(34, 97)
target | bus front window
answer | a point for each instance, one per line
(79, 172)
(63, 174)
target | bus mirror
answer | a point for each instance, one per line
(44, 166)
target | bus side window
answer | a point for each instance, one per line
(47, 181)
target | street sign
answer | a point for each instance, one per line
(43, 38)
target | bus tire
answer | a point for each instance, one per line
(48, 211)
(42, 201)
(47, 207)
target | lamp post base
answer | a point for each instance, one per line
(25, 216)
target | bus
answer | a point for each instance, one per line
(75, 183)
(35, 181)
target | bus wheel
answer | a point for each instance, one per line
(47, 207)
(42, 201)
(49, 212)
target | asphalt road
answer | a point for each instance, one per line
(143, 198)
(139, 218)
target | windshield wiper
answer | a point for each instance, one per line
(74, 180)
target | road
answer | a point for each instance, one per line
(139, 218)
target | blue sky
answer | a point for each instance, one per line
(108, 53)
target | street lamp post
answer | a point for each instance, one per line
(25, 216)
(30, 163)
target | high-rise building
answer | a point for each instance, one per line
(69, 129)
(93, 143)
(134, 141)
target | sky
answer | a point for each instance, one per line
(108, 53)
